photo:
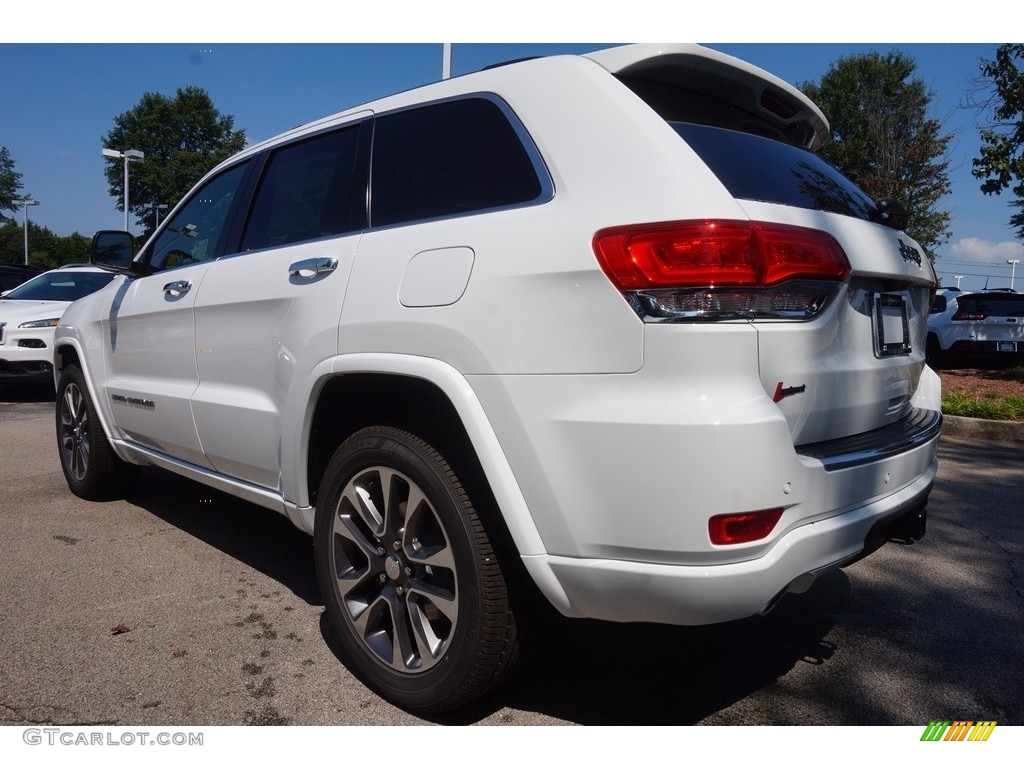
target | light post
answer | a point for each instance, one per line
(958, 279)
(129, 156)
(157, 207)
(1013, 269)
(25, 203)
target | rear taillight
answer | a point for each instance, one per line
(969, 314)
(743, 527)
(720, 269)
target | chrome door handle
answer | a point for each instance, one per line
(311, 267)
(178, 288)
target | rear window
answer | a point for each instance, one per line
(755, 168)
(997, 304)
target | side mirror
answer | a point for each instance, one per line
(113, 250)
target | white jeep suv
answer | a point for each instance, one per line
(599, 330)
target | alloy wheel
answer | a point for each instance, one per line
(395, 570)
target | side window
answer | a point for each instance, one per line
(446, 159)
(194, 232)
(310, 189)
(938, 305)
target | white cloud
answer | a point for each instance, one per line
(981, 251)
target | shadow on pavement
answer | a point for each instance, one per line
(27, 392)
(258, 537)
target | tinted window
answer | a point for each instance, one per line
(755, 168)
(309, 190)
(938, 305)
(998, 304)
(194, 233)
(446, 159)
(61, 285)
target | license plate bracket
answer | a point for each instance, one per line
(891, 325)
(1006, 346)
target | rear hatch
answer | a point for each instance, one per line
(841, 315)
(996, 317)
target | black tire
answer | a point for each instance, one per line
(416, 596)
(932, 351)
(91, 468)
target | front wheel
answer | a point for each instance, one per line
(410, 580)
(91, 468)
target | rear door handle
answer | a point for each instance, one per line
(312, 267)
(178, 288)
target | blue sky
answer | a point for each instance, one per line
(61, 97)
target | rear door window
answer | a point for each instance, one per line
(448, 159)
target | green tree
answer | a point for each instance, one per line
(45, 249)
(883, 139)
(999, 96)
(10, 183)
(183, 137)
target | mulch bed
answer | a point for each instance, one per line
(990, 381)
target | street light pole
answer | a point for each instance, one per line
(129, 156)
(1013, 269)
(157, 207)
(958, 279)
(25, 203)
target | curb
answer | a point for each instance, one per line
(983, 429)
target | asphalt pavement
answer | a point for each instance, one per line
(183, 606)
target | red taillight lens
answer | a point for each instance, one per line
(716, 253)
(743, 527)
(967, 314)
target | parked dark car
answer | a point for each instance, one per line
(13, 275)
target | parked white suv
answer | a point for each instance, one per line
(600, 327)
(971, 326)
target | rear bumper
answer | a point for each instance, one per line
(987, 349)
(622, 591)
(621, 474)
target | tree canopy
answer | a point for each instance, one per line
(1000, 97)
(183, 137)
(10, 182)
(884, 140)
(45, 249)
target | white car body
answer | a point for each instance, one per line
(977, 324)
(27, 325)
(609, 440)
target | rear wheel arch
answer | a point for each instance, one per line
(418, 413)
(354, 401)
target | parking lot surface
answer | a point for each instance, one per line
(182, 606)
